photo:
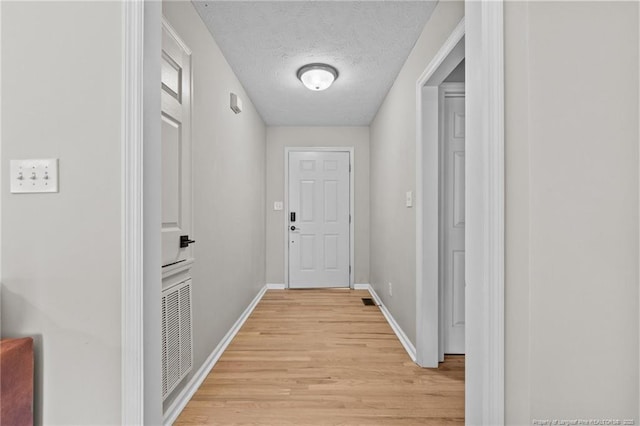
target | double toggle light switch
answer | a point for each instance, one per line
(30, 176)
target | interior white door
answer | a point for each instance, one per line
(176, 150)
(453, 217)
(319, 234)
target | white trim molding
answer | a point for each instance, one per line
(132, 376)
(427, 201)
(482, 29)
(275, 286)
(404, 339)
(484, 379)
(176, 37)
(183, 398)
(364, 286)
(352, 224)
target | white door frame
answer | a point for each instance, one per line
(428, 297)
(141, 164)
(484, 236)
(132, 215)
(485, 230)
(350, 150)
(482, 29)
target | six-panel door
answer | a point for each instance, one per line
(176, 149)
(319, 246)
(453, 219)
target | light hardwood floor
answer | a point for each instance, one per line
(320, 357)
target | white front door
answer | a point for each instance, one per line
(176, 150)
(452, 216)
(319, 209)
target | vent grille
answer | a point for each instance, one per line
(177, 351)
(185, 329)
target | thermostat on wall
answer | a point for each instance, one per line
(236, 103)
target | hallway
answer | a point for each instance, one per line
(547, 191)
(322, 357)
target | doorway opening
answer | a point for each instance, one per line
(319, 229)
(484, 370)
(478, 39)
(451, 250)
(440, 210)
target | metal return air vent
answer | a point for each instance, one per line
(177, 343)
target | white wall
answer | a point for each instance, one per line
(61, 97)
(280, 137)
(393, 140)
(572, 210)
(228, 189)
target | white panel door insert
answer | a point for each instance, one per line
(452, 219)
(319, 222)
(176, 149)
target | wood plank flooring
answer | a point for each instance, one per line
(321, 357)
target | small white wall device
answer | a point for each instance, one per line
(37, 175)
(236, 103)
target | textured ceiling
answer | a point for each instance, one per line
(266, 42)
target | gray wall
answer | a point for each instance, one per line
(572, 204)
(228, 189)
(457, 75)
(61, 97)
(572, 210)
(393, 140)
(280, 137)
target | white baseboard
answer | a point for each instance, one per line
(361, 286)
(176, 407)
(275, 286)
(406, 343)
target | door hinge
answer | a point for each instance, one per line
(349, 269)
(349, 218)
(349, 167)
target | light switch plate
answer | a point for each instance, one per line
(36, 175)
(409, 199)
(277, 205)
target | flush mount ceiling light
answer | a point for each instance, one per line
(317, 77)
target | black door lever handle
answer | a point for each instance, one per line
(185, 241)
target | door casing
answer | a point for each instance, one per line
(428, 291)
(483, 30)
(289, 149)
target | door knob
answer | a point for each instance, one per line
(293, 228)
(185, 241)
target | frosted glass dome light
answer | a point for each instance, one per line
(317, 77)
